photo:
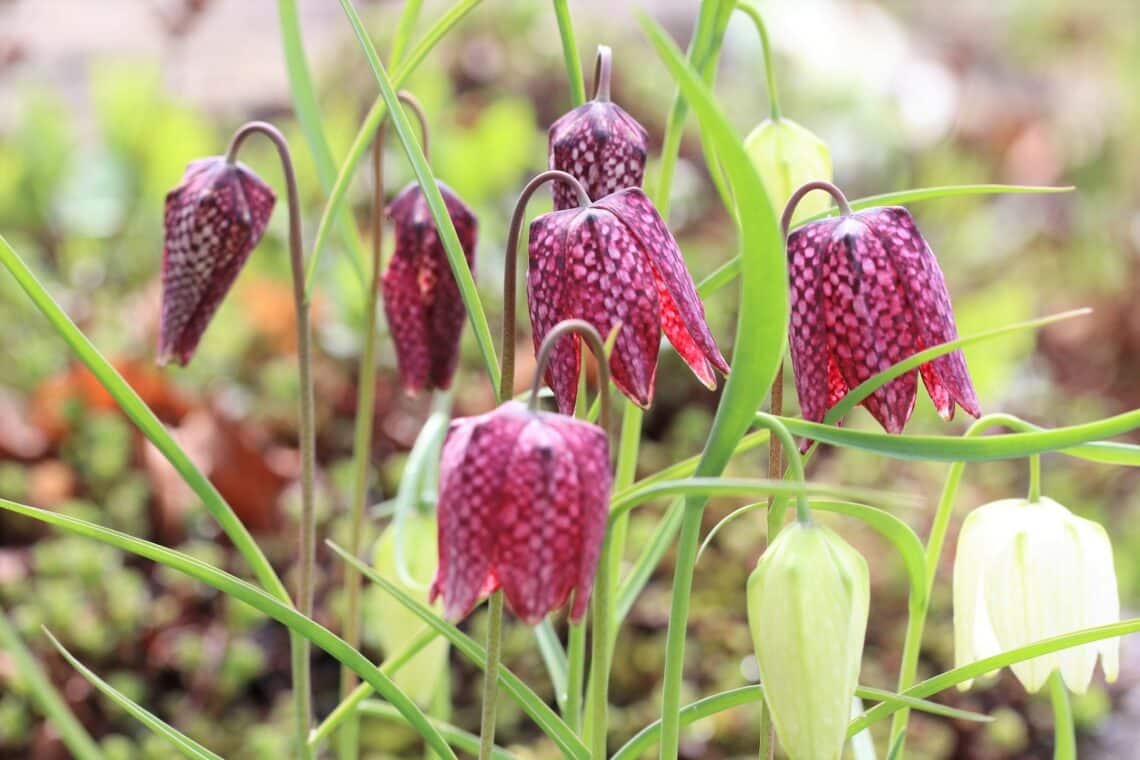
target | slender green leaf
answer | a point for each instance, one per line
(707, 487)
(404, 28)
(554, 657)
(334, 206)
(731, 268)
(687, 467)
(531, 703)
(464, 741)
(44, 696)
(570, 52)
(978, 669)
(943, 448)
(146, 421)
(180, 741)
(242, 591)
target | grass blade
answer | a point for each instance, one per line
(177, 739)
(44, 695)
(249, 594)
(146, 421)
(464, 741)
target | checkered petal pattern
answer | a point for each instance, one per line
(523, 503)
(867, 293)
(421, 297)
(602, 146)
(212, 221)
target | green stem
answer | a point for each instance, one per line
(769, 70)
(576, 675)
(455, 736)
(1034, 478)
(678, 629)
(404, 28)
(43, 694)
(916, 620)
(570, 52)
(491, 675)
(600, 657)
(307, 539)
(1065, 738)
(349, 739)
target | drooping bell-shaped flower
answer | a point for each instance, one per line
(1027, 571)
(406, 556)
(598, 143)
(866, 293)
(523, 502)
(613, 262)
(213, 220)
(787, 155)
(808, 601)
(421, 297)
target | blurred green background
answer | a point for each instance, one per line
(101, 107)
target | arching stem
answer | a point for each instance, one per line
(306, 550)
(594, 341)
(417, 109)
(769, 71)
(510, 272)
(798, 195)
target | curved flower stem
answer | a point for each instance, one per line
(916, 620)
(761, 29)
(409, 100)
(798, 195)
(570, 52)
(491, 675)
(598, 696)
(1064, 736)
(1034, 478)
(510, 273)
(603, 72)
(307, 427)
(362, 446)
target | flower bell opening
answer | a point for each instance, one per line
(213, 220)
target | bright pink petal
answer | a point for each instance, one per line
(946, 377)
(546, 284)
(610, 282)
(471, 489)
(602, 146)
(868, 320)
(683, 314)
(212, 222)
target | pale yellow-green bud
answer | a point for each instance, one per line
(808, 600)
(406, 556)
(1027, 571)
(787, 156)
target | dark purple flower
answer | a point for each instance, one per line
(598, 143)
(421, 297)
(867, 293)
(523, 503)
(613, 262)
(213, 220)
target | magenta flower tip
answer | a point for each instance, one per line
(212, 221)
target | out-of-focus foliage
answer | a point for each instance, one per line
(905, 94)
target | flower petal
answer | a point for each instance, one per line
(925, 289)
(602, 146)
(869, 323)
(815, 372)
(683, 314)
(546, 283)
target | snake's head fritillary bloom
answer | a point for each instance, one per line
(421, 297)
(598, 143)
(867, 293)
(615, 262)
(808, 601)
(213, 220)
(1027, 571)
(523, 502)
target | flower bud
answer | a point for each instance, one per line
(1027, 571)
(406, 556)
(786, 156)
(807, 606)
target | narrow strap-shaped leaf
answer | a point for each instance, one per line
(44, 696)
(245, 592)
(977, 669)
(554, 657)
(146, 421)
(427, 183)
(728, 271)
(531, 703)
(179, 740)
(687, 467)
(945, 448)
(460, 739)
